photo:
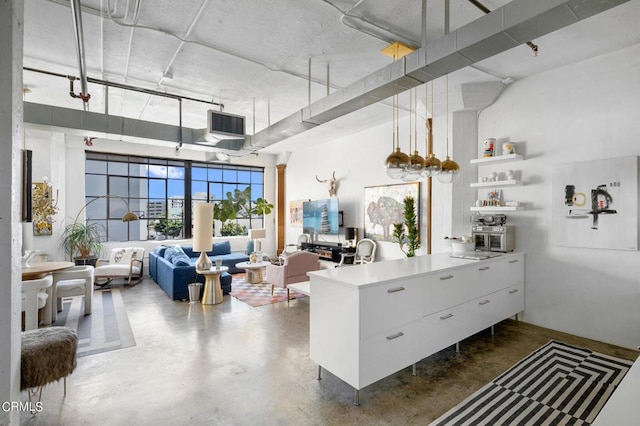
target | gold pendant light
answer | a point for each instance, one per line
(450, 170)
(397, 161)
(432, 165)
(416, 162)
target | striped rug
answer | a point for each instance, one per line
(557, 384)
(106, 329)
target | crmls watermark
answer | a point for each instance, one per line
(32, 407)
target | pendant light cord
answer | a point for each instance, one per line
(447, 112)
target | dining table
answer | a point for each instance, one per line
(37, 270)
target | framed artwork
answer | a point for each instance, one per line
(595, 204)
(295, 213)
(384, 206)
(43, 209)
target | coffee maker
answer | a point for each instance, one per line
(490, 233)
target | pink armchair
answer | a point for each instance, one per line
(293, 270)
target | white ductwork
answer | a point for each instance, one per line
(504, 28)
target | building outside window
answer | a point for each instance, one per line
(161, 192)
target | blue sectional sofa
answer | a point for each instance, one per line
(174, 274)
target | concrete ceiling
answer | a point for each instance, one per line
(255, 55)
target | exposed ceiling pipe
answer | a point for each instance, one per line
(77, 29)
(126, 87)
(486, 10)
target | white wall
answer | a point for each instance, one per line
(585, 111)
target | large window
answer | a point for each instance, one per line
(161, 193)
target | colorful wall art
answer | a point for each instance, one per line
(383, 206)
(295, 213)
(595, 204)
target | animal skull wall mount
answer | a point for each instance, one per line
(332, 184)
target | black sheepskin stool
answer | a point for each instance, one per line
(48, 354)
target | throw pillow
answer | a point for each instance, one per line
(172, 252)
(181, 260)
(222, 248)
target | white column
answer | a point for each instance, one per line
(11, 25)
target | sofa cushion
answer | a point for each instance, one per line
(222, 248)
(176, 252)
(159, 251)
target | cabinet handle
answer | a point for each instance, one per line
(395, 290)
(484, 268)
(446, 277)
(444, 317)
(515, 290)
(484, 302)
(513, 261)
(395, 336)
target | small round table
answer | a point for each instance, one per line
(212, 294)
(254, 270)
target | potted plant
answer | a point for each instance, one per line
(82, 242)
(407, 233)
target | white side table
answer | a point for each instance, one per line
(254, 270)
(212, 294)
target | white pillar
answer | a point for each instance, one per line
(11, 27)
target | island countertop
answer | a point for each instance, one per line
(390, 270)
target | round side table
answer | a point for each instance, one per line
(254, 270)
(212, 294)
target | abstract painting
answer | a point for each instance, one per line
(295, 213)
(595, 204)
(383, 206)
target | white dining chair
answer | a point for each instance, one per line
(74, 281)
(35, 296)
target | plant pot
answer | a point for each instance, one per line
(81, 261)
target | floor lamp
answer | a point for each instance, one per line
(203, 233)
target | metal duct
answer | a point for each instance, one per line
(502, 29)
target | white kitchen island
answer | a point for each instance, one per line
(369, 321)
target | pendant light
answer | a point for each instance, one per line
(397, 161)
(432, 165)
(416, 162)
(450, 170)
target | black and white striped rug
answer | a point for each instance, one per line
(557, 384)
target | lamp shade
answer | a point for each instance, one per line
(202, 227)
(254, 234)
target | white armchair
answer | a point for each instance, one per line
(35, 295)
(124, 263)
(74, 281)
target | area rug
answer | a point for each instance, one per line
(259, 294)
(106, 329)
(557, 384)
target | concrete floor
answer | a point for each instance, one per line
(234, 364)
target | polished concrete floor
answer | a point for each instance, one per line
(232, 364)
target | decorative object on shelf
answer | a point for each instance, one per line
(493, 198)
(508, 148)
(383, 206)
(203, 233)
(511, 175)
(478, 203)
(332, 184)
(450, 170)
(489, 147)
(43, 207)
(28, 255)
(407, 233)
(493, 177)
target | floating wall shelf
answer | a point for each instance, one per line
(498, 159)
(496, 183)
(497, 209)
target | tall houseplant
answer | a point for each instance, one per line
(406, 233)
(82, 241)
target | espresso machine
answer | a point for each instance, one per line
(491, 233)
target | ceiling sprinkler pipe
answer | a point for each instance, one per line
(77, 28)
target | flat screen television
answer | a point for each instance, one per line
(320, 217)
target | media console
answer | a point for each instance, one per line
(326, 251)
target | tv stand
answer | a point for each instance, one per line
(326, 251)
